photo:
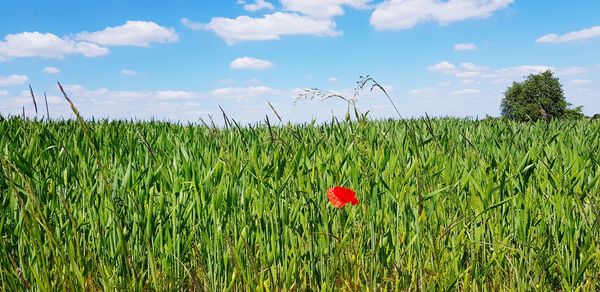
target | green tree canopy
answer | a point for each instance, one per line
(539, 97)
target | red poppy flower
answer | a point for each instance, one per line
(340, 196)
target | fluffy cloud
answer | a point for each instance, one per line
(106, 103)
(12, 80)
(257, 5)
(465, 47)
(249, 104)
(244, 104)
(192, 24)
(405, 14)
(422, 91)
(46, 45)
(475, 90)
(51, 70)
(102, 95)
(466, 91)
(300, 17)
(580, 82)
(322, 8)
(128, 72)
(269, 27)
(132, 33)
(250, 63)
(580, 35)
(443, 67)
(241, 93)
(522, 71)
(88, 44)
(174, 95)
(3, 92)
(468, 71)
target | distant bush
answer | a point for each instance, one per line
(539, 97)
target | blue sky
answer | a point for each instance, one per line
(180, 60)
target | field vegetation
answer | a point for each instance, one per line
(445, 204)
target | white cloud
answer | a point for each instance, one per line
(174, 95)
(51, 70)
(443, 67)
(132, 33)
(494, 81)
(465, 47)
(333, 79)
(469, 81)
(269, 27)
(128, 72)
(467, 91)
(580, 82)
(241, 93)
(463, 70)
(253, 80)
(453, 100)
(405, 14)
(121, 104)
(482, 93)
(257, 5)
(12, 80)
(244, 104)
(422, 91)
(300, 17)
(469, 72)
(249, 104)
(250, 63)
(323, 8)
(3, 92)
(574, 36)
(46, 45)
(192, 24)
(226, 81)
(114, 96)
(522, 71)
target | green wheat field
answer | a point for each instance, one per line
(445, 204)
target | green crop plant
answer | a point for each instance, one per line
(445, 204)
